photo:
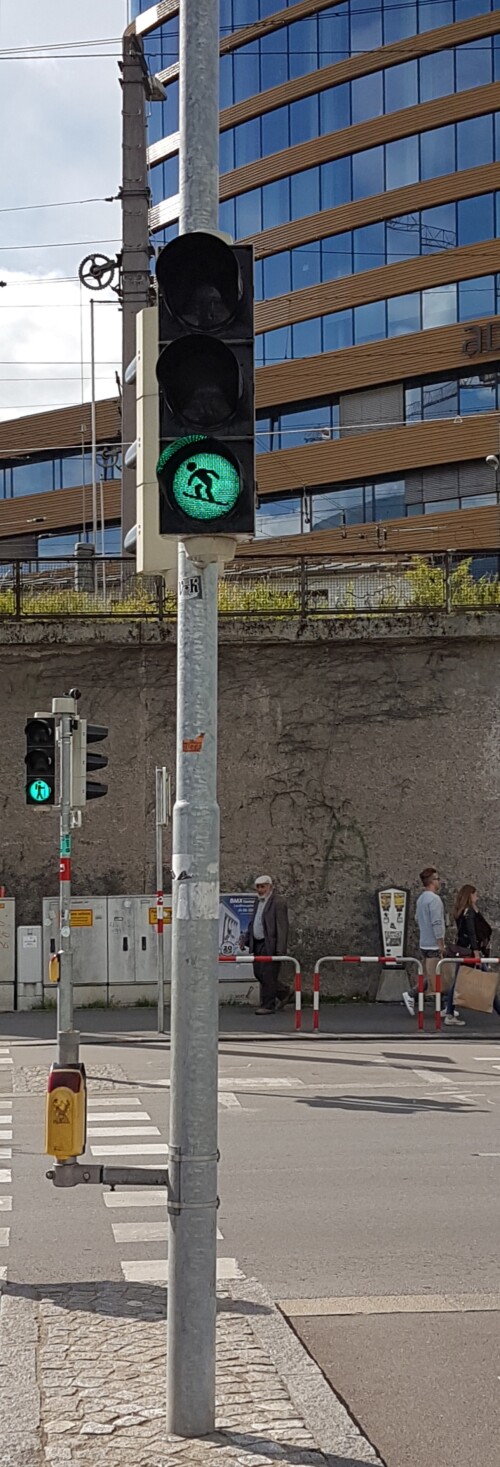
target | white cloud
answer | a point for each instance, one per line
(62, 120)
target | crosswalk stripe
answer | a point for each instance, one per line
(153, 1149)
(3, 1272)
(150, 1197)
(5, 1062)
(155, 1271)
(4, 1237)
(144, 1232)
(5, 1204)
(123, 1130)
(108, 1100)
(5, 1135)
(6, 1153)
(121, 1115)
(5, 1174)
(228, 1101)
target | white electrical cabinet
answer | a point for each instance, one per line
(89, 931)
(7, 954)
(29, 967)
(132, 948)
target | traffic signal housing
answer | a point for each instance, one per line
(84, 762)
(40, 761)
(205, 372)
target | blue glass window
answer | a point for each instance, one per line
(226, 89)
(263, 439)
(439, 229)
(276, 202)
(335, 108)
(76, 469)
(476, 219)
(302, 46)
(304, 119)
(369, 247)
(401, 86)
(275, 131)
(306, 337)
(277, 274)
(389, 499)
(336, 185)
(401, 163)
(305, 193)
(227, 217)
(368, 173)
(304, 425)
(367, 97)
(247, 142)
(402, 236)
(369, 322)
(477, 396)
(249, 213)
(246, 71)
(279, 517)
(474, 65)
(338, 331)
(474, 141)
(226, 150)
(476, 298)
(306, 266)
(439, 400)
(274, 63)
(432, 13)
(403, 314)
(400, 21)
(339, 43)
(366, 27)
(439, 306)
(465, 9)
(278, 345)
(336, 256)
(32, 478)
(436, 75)
(437, 152)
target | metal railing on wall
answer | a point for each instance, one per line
(302, 590)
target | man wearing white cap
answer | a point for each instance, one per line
(267, 935)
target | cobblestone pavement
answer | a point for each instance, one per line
(96, 1358)
(100, 1078)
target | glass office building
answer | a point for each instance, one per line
(360, 151)
(46, 479)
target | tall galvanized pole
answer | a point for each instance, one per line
(162, 815)
(67, 1039)
(93, 427)
(192, 1205)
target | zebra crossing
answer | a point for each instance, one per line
(142, 1242)
(5, 1157)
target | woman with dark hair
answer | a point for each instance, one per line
(473, 941)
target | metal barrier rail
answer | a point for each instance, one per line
(459, 963)
(382, 963)
(278, 958)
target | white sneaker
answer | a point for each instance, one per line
(410, 1003)
(454, 1019)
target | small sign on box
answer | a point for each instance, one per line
(82, 917)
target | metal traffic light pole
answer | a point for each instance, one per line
(65, 710)
(192, 1201)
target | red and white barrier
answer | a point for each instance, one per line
(383, 963)
(277, 958)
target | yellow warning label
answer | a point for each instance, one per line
(167, 916)
(82, 917)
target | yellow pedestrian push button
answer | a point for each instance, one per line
(66, 1112)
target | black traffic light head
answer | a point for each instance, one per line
(205, 372)
(94, 733)
(40, 761)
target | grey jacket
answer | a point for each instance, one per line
(275, 924)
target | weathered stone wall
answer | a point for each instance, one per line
(350, 756)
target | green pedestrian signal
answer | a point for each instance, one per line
(39, 792)
(205, 374)
(40, 761)
(201, 477)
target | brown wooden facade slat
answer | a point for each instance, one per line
(386, 451)
(401, 357)
(420, 273)
(464, 529)
(59, 429)
(424, 44)
(312, 227)
(60, 509)
(349, 140)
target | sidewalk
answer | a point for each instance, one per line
(82, 1373)
(341, 1021)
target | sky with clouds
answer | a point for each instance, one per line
(60, 124)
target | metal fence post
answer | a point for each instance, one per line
(18, 602)
(447, 581)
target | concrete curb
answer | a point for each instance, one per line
(20, 1433)
(337, 1436)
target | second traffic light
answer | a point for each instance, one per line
(205, 371)
(84, 763)
(40, 761)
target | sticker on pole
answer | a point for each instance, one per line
(193, 746)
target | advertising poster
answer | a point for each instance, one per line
(235, 912)
(392, 905)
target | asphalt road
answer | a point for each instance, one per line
(359, 1183)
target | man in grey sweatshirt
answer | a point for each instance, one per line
(431, 926)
